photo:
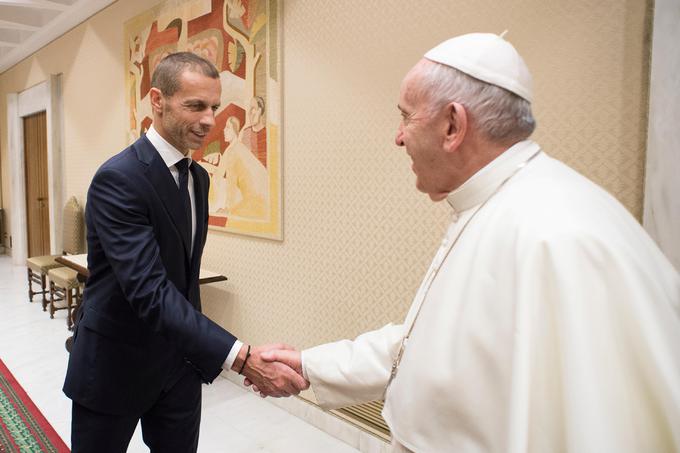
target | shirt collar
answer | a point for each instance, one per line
(485, 182)
(168, 153)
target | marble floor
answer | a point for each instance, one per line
(234, 420)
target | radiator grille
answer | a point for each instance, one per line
(367, 415)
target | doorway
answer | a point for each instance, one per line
(43, 97)
(37, 196)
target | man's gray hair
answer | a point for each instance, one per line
(501, 116)
(166, 75)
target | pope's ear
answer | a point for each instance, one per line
(156, 98)
(457, 119)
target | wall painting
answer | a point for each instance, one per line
(242, 153)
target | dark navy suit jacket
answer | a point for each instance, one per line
(141, 324)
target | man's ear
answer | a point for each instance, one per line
(157, 100)
(457, 119)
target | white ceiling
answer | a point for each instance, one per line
(28, 25)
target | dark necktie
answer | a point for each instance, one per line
(183, 168)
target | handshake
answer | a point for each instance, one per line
(272, 370)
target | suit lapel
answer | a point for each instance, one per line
(165, 186)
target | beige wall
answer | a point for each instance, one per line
(357, 235)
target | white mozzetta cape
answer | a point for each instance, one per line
(553, 325)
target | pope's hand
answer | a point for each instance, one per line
(270, 378)
(288, 357)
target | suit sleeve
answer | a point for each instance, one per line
(122, 222)
(351, 372)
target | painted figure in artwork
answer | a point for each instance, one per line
(238, 181)
(254, 136)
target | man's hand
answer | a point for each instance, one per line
(270, 378)
(286, 356)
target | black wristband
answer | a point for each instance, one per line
(243, 365)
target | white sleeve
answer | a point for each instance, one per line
(351, 372)
(231, 357)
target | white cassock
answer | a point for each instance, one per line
(552, 325)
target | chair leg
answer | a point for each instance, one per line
(52, 290)
(69, 307)
(30, 286)
(76, 307)
(43, 284)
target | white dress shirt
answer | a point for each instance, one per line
(171, 156)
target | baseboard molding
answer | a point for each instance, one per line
(327, 422)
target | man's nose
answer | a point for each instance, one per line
(399, 138)
(208, 119)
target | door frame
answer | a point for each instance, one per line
(45, 96)
(661, 215)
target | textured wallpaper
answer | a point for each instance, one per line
(357, 236)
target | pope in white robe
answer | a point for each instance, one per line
(551, 326)
(548, 321)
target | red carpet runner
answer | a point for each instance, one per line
(22, 427)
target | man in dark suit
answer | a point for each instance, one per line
(142, 347)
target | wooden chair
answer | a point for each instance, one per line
(64, 284)
(38, 266)
(64, 287)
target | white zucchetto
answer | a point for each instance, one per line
(486, 57)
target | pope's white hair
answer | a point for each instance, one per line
(501, 116)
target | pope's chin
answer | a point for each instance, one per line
(437, 196)
(434, 196)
